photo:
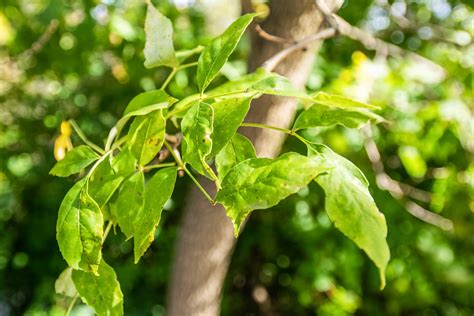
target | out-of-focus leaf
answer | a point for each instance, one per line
(412, 161)
(260, 183)
(101, 291)
(64, 284)
(158, 190)
(74, 161)
(351, 207)
(238, 149)
(218, 51)
(159, 49)
(79, 229)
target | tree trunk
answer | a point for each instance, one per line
(206, 236)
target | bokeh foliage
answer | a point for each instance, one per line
(290, 259)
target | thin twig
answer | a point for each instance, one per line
(272, 62)
(373, 43)
(271, 38)
(83, 137)
(41, 41)
(340, 26)
(400, 190)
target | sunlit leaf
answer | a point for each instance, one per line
(129, 202)
(238, 149)
(104, 182)
(146, 136)
(260, 183)
(228, 115)
(241, 84)
(79, 229)
(101, 291)
(321, 115)
(147, 102)
(218, 51)
(278, 85)
(197, 127)
(351, 207)
(159, 50)
(74, 161)
(158, 190)
(339, 101)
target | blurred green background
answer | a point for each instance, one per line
(83, 60)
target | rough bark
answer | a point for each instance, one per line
(206, 236)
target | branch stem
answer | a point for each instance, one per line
(173, 73)
(161, 165)
(83, 137)
(183, 167)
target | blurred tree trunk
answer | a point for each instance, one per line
(206, 239)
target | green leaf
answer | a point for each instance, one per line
(74, 161)
(79, 229)
(100, 291)
(228, 115)
(104, 182)
(197, 127)
(238, 149)
(157, 192)
(351, 207)
(278, 85)
(240, 85)
(124, 162)
(218, 51)
(146, 136)
(64, 284)
(321, 115)
(339, 101)
(260, 183)
(159, 50)
(412, 161)
(147, 102)
(129, 202)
